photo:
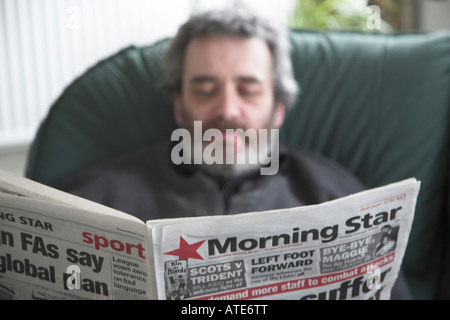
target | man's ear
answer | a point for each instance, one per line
(279, 115)
(178, 116)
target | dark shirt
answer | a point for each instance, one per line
(148, 185)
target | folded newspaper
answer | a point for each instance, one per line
(57, 246)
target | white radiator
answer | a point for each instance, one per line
(45, 44)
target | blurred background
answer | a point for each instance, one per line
(46, 44)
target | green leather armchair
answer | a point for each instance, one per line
(378, 104)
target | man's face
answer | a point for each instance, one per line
(227, 83)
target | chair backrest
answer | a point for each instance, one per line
(378, 104)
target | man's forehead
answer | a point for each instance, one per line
(212, 56)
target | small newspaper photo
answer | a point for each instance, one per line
(55, 246)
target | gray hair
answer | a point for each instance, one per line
(236, 23)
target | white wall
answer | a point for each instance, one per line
(13, 158)
(434, 15)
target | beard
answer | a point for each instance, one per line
(241, 164)
(248, 152)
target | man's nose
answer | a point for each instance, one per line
(228, 105)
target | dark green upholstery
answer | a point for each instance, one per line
(378, 104)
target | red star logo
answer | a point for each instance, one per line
(186, 250)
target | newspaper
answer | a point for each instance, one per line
(57, 246)
(350, 248)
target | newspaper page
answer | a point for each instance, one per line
(20, 186)
(350, 248)
(52, 251)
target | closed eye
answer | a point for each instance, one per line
(204, 85)
(249, 86)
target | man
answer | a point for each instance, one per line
(226, 70)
